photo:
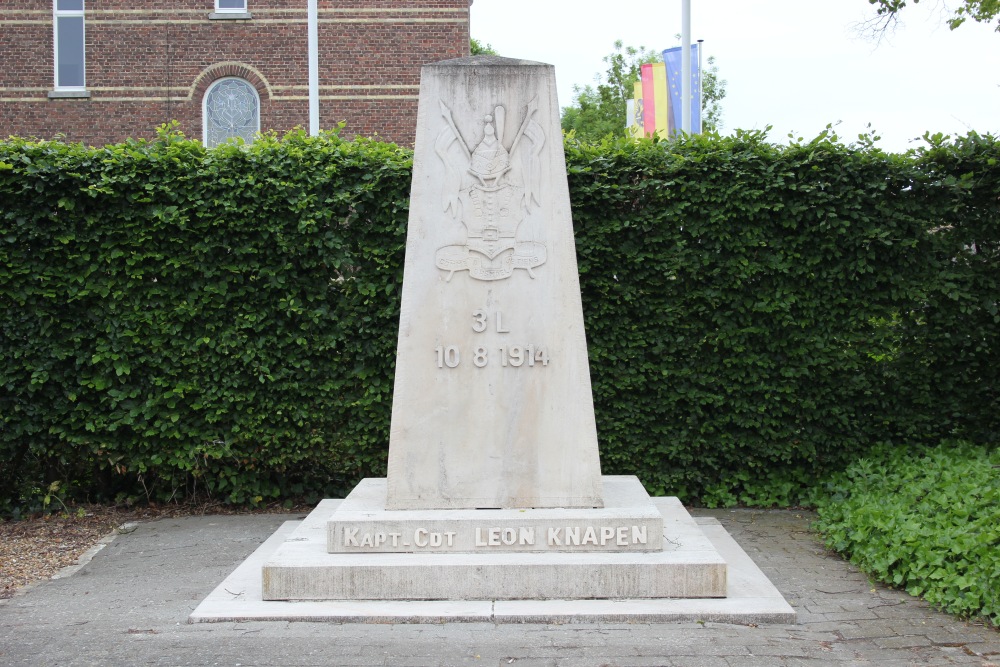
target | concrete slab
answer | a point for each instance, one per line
(752, 599)
(238, 598)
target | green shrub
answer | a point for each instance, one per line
(177, 321)
(944, 378)
(743, 305)
(928, 523)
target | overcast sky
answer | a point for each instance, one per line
(794, 64)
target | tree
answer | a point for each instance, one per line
(477, 48)
(713, 89)
(599, 111)
(981, 11)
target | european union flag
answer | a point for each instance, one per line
(672, 58)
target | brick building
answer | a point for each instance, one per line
(99, 71)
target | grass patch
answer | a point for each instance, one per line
(926, 522)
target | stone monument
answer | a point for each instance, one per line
(494, 488)
(492, 405)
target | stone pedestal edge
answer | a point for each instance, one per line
(752, 599)
(687, 566)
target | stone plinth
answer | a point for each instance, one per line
(628, 522)
(686, 566)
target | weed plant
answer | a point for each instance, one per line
(925, 522)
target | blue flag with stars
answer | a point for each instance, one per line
(672, 59)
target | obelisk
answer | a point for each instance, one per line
(492, 404)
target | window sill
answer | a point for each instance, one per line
(69, 94)
(230, 16)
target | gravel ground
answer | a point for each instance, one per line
(35, 548)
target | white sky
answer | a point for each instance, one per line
(793, 64)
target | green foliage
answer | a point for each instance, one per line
(747, 275)
(593, 115)
(192, 321)
(743, 305)
(176, 321)
(477, 48)
(599, 112)
(926, 522)
(952, 333)
(980, 11)
(713, 90)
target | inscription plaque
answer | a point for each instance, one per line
(533, 537)
(628, 522)
(492, 402)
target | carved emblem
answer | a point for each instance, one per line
(491, 189)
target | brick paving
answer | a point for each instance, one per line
(844, 617)
(130, 604)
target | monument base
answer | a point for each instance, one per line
(687, 565)
(751, 599)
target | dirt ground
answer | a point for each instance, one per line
(35, 548)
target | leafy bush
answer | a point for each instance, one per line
(928, 523)
(759, 314)
(945, 374)
(177, 321)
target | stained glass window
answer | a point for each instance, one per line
(232, 109)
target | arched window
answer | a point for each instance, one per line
(231, 109)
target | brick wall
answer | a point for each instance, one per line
(151, 61)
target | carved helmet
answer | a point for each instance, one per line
(490, 159)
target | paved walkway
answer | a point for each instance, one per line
(130, 604)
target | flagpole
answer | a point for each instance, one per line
(686, 66)
(313, 52)
(701, 88)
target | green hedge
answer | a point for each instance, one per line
(198, 320)
(945, 379)
(731, 289)
(177, 321)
